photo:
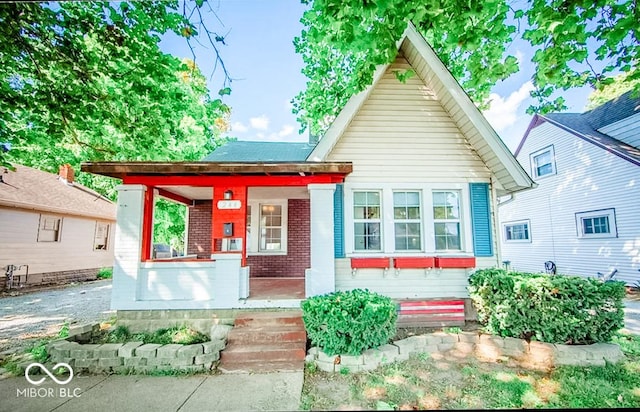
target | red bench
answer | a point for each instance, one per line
(429, 313)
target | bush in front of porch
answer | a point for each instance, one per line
(547, 308)
(349, 322)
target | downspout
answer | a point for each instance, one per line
(553, 243)
(496, 224)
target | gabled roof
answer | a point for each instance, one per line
(614, 110)
(33, 189)
(255, 151)
(585, 125)
(485, 141)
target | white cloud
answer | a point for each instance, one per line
(286, 130)
(260, 122)
(519, 56)
(239, 127)
(503, 112)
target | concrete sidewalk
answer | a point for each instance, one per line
(227, 392)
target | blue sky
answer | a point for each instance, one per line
(260, 57)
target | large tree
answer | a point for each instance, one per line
(87, 81)
(576, 42)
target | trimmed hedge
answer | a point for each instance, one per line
(548, 308)
(349, 322)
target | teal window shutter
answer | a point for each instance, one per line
(338, 222)
(481, 219)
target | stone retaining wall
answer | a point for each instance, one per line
(446, 346)
(135, 357)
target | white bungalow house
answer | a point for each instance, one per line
(399, 196)
(52, 229)
(584, 215)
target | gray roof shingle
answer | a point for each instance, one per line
(253, 151)
(29, 188)
(614, 110)
(585, 125)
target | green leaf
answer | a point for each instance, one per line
(225, 91)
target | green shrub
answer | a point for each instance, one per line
(548, 308)
(349, 322)
(105, 273)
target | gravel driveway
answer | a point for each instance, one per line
(38, 314)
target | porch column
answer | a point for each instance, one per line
(127, 249)
(320, 278)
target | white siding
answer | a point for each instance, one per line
(403, 137)
(626, 130)
(74, 251)
(588, 178)
(403, 134)
(409, 283)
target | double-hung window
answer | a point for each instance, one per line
(49, 229)
(267, 227)
(543, 162)
(270, 228)
(101, 237)
(446, 220)
(407, 223)
(367, 220)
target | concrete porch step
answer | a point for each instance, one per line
(265, 341)
(267, 334)
(260, 319)
(285, 351)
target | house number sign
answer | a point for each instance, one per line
(229, 204)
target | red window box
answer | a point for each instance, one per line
(366, 263)
(414, 262)
(456, 262)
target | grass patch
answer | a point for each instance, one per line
(105, 273)
(180, 334)
(426, 383)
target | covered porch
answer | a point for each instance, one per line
(257, 235)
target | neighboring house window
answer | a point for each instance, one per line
(367, 223)
(446, 220)
(597, 223)
(101, 238)
(267, 227)
(406, 215)
(543, 162)
(50, 229)
(517, 231)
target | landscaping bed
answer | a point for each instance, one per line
(424, 381)
(89, 349)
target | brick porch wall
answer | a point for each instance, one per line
(200, 229)
(298, 256)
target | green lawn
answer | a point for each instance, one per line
(424, 383)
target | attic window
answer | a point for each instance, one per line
(49, 229)
(543, 162)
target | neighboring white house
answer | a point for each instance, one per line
(584, 215)
(52, 230)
